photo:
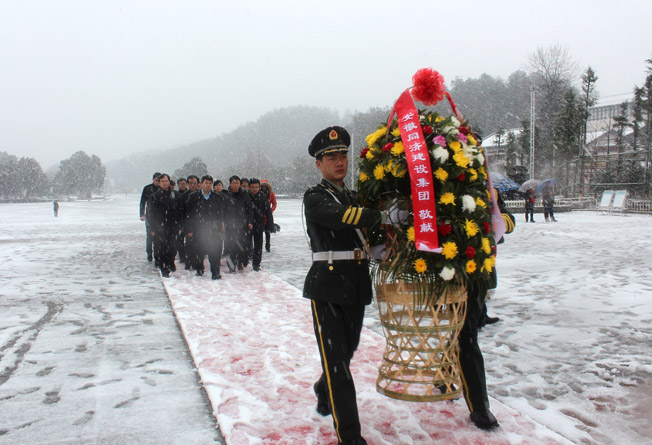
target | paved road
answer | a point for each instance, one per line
(90, 351)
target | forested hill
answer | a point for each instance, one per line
(274, 146)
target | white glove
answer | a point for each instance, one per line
(396, 216)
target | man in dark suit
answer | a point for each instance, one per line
(148, 190)
(205, 226)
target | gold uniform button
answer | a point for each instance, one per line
(330, 267)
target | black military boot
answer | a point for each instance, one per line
(484, 420)
(323, 407)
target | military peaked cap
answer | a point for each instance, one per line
(329, 140)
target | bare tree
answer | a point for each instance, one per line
(552, 70)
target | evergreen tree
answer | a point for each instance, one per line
(589, 79)
(195, 166)
(81, 174)
(567, 134)
(21, 178)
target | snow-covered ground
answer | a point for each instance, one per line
(89, 349)
(571, 350)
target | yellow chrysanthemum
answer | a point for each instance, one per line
(461, 160)
(396, 132)
(488, 264)
(471, 140)
(449, 250)
(455, 146)
(483, 172)
(474, 174)
(398, 172)
(441, 174)
(470, 266)
(398, 148)
(410, 234)
(489, 195)
(373, 137)
(369, 155)
(486, 245)
(379, 172)
(420, 265)
(439, 119)
(479, 202)
(388, 166)
(471, 228)
(363, 177)
(447, 198)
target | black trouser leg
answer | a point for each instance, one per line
(215, 255)
(148, 241)
(258, 248)
(181, 247)
(471, 361)
(268, 244)
(337, 329)
(164, 251)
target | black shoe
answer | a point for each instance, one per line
(490, 320)
(256, 268)
(199, 272)
(444, 389)
(165, 273)
(216, 276)
(484, 420)
(240, 266)
(187, 266)
(323, 407)
(149, 257)
(554, 220)
(173, 267)
(267, 249)
(533, 221)
(358, 441)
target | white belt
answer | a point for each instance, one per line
(339, 255)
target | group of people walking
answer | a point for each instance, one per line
(198, 218)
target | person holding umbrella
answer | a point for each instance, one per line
(529, 205)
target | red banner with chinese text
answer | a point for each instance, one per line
(418, 161)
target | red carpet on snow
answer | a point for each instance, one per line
(251, 338)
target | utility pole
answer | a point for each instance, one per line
(532, 120)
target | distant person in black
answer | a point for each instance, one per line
(548, 202)
(239, 223)
(163, 211)
(55, 205)
(182, 184)
(262, 220)
(189, 247)
(529, 205)
(148, 190)
(205, 216)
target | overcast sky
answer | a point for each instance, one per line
(116, 77)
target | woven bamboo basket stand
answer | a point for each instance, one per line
(421, 359)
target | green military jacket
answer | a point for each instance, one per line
(332, 227)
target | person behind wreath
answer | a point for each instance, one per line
(338, 282)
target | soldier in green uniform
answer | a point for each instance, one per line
(338, 282)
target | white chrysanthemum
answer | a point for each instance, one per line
(468, 203)
(480, 158)
(447, 273)
(449, 129)
(440, 154)
(455, 122)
